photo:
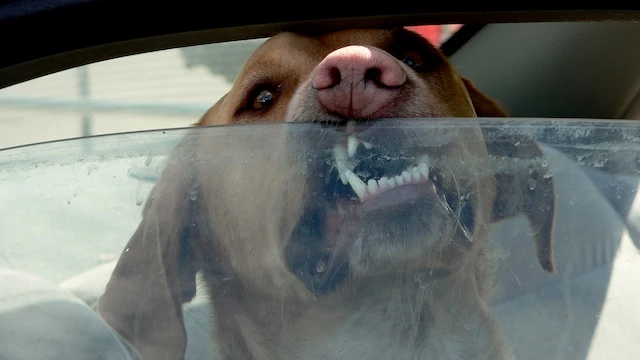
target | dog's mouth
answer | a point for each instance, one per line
(375, 199)
(375, 179)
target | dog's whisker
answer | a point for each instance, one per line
(284, 327)
(335, 272)
(512, 272)
(417, 319)
(393, 262)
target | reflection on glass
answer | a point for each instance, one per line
(417, 239)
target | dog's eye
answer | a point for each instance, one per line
(263, 99)
(412, 59)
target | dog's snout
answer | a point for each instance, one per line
(358, 63)
(357, 81)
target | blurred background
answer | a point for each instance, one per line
(163, 89)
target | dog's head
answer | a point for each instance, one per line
(315, 223)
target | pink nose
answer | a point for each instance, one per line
(357, 82)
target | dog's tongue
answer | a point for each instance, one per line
(343, 222)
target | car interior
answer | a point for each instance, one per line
(540, 64)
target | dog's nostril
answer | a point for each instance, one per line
(326, 77)
(373, 74)
(335, 76)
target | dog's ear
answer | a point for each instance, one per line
(155, 273)
(524, 185)
(484, 106)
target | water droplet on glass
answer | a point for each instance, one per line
(532, 184)
(193, 193)
(149, 159)
(139, 197)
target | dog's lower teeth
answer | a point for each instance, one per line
(358, 186)
(383, 183)
(364, 189)
(372, 186)
(424, 169)
(392, 182)
(415, 174)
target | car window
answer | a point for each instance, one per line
(125, 229)
(162, 89)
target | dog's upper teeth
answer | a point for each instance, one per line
(352, 145)
(340, 154)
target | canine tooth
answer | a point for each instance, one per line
(391, 183)
(424, 159)
(416, 174)
(352, 145)
(372, 186)
(423, 165)
(367, 145)
(358, 186)
(340, 154)
(383, 182)
(343, 177)
(399, 180)
(424, 170)
(406, 175)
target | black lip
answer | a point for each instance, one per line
(307, 249)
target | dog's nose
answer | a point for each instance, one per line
(357, 81)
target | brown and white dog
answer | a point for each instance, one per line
(358, 238)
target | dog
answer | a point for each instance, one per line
(349, 230)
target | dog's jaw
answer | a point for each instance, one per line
(421, 316)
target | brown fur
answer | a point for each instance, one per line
(229, 204)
